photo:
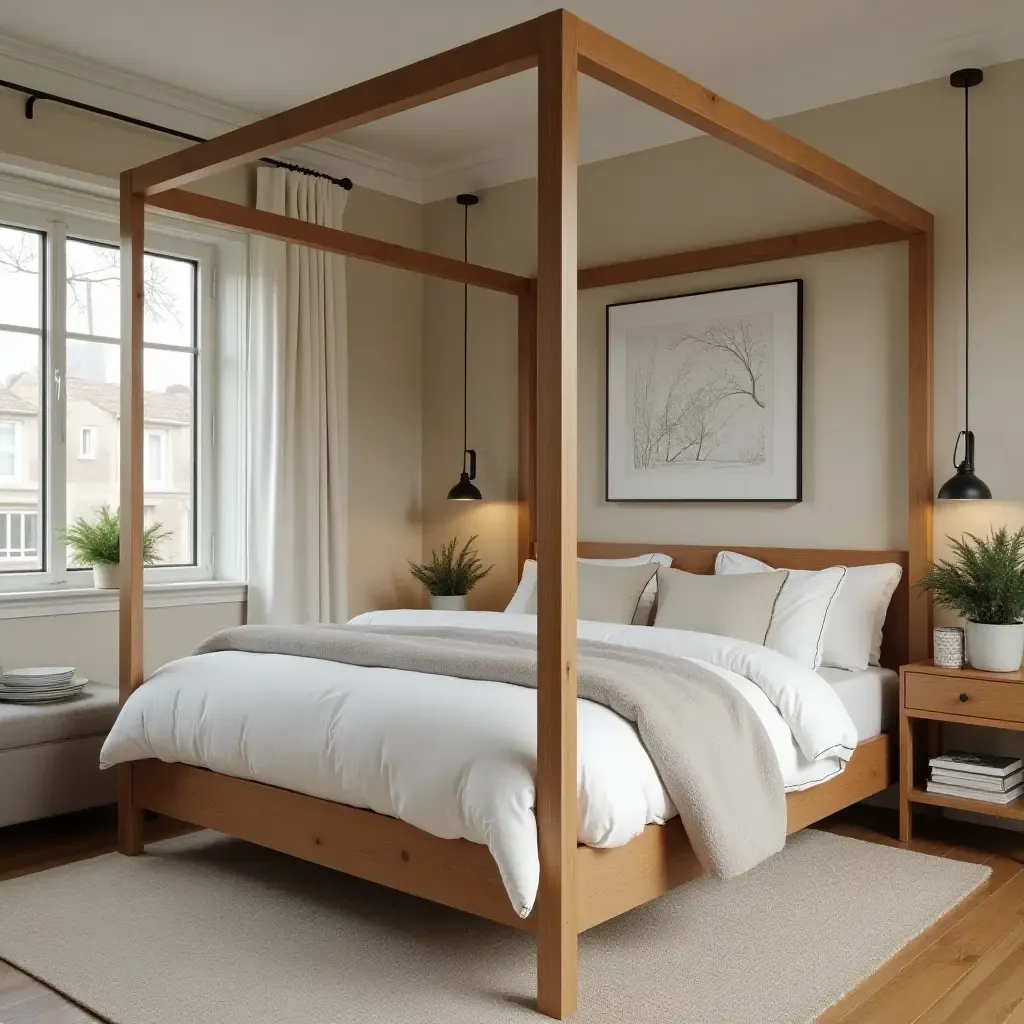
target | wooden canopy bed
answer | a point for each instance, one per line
(580, 886)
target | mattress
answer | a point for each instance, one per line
(369, 737)
(870, 696)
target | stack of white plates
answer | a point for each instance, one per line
(39, 685)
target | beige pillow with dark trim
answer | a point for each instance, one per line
(739, 606)
(607, 593)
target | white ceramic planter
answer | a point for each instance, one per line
(448, 604)
(106, 577)
(995, 648)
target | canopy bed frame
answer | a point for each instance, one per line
(580, 886)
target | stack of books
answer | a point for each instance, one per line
(987, 777)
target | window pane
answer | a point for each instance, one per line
(21, 294)
(21, 303)
(94, 403)
(94, 289)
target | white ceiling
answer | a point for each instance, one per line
(254, 57)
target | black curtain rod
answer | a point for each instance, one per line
(37, 94)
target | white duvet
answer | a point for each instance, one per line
(456, 757)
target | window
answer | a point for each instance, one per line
(87, 443)
(60, 386)
(170, 370)
(19, 538)
(10, 450)
(156, 458)
(22, 344)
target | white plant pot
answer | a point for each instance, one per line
(106, 577)
(995, 648)
(448, 604)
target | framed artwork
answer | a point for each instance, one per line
(704, 396)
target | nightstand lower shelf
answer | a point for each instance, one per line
(1014, 810)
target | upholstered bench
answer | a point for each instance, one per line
(49, 755)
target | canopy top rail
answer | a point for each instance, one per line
(509, 52)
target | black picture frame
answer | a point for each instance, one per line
(796, 495)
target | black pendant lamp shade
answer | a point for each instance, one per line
(965, 485)
(465, 489)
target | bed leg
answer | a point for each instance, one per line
(556, 963)
(129, 816)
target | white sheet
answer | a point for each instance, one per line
(870, 696)
(455, 757)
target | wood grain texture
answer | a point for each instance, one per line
(557, 268)
(616, 880)
(130, 600)
(741, 254)
(930, 694)
(476, 63)
(701, 558)
(380, 849)
(920, 426)
(867, 773)
(998, 702)
(527, 425)
(344, 243)
(634, 73)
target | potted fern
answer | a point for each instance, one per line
(97, 542)
(449, 577)
(984, 583)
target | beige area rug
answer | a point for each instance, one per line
(206, 930)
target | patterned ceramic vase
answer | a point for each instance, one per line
(948, 642)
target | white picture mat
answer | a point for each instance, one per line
(637, 330)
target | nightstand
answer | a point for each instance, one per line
(930, 693)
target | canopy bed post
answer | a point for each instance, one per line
(921, 309)
(133, 209)
(527, 469)
(556, 515)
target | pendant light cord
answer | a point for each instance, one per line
(465, 340)
(967, 260)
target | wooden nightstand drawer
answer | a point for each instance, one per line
(974, 698)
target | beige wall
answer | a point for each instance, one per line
(700, 193)
(385, 325)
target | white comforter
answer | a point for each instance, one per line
(456, 757)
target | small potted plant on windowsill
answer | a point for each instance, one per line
(984, 583)
(97, 543)
(449, 577)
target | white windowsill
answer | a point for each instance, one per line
(76, 600)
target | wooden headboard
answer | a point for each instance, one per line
(695, 558)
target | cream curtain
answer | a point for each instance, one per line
(298, 391)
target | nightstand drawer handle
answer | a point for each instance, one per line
(964, 698)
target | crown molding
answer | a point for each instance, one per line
(136, 96)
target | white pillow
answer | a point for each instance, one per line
(853, 633)
(806, 602)
(642, 617)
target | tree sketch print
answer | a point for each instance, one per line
(702, 392)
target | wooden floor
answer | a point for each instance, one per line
(967, 969)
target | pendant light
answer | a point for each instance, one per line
(964, 485)
(465, 489)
